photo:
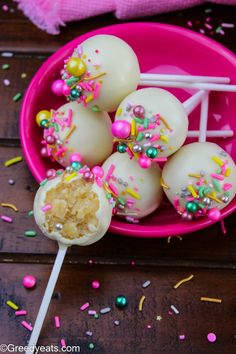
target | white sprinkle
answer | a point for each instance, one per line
(174, 309)
(6, 82)
(146, 284)
(7, 54)
(105, 310)
(89, 333)
(92, 312)
(116, 322)
(227, 25)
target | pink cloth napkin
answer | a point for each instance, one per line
(50, 14)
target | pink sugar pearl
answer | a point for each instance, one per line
(75, 158)
(144, 162)
(121, 129)
(95, 284)
(211, 337)
(66, 90)
(57, 87)
(214, 214)
(29, 281)
(98, 171)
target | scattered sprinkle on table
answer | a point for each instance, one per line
(105, 310)
(174, 309)
(27, 326)
(6, 82)
(181, 337)
(89, 333)
(57, 322)
(84, 306)
(5, 66)
(11, 182)
(6, 218)
(92, 312)
(31, 213)
(29, 281)
(8, 205)
(140, 305)
(7, 54)
(63, 343)
(23, 75)
(211, 337)
(30, 233)
(12, 305)
(91, 346)
(116, 322)
(146, 284)
(211, 299)
(13, 161)
(21, 313)
(17, 97)
(158, 318)
(183, 281)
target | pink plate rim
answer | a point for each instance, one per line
(119, 227)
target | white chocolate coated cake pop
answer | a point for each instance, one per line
(100, 73)
(73, 131)
(134, 192)
(151, 124)
(72, 210)
(199, 180)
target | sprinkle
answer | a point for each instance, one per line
(162, 183)
(23, 75)
(227, 186)
(192, 191)
(189, 23)
(145, 123)
(89, 98)
(174, 309)
(119, 111)
(227, 25)
(12, 305)
(84, 306)
(8, 205)
(5, 66)
(43, 182)
(211, 299)
(133, 193)
(146, 284)
(89, 333)
(222, 224)
(7, 54)
(72, 175)
(13, 161)
(217, 160)
(69, 118)
(17, 97)
(160, 159)
(6, 82)
(57, 322)
(105, 310)
(227, 172)
(164, 138)
(181, 337)
(69, 132)
(166, 124)
(195, 175)
(21, 313)
(218, 177)
(91, 346)
(140, 305)
(92, 312)
(31, 213)
(6, 218)
(30, 233)
(46, 207)
(133, 127)
(27, 326)
(214, 198)
(63, 343)
(11, 182)
(183, 281)
(113, 188)
(158, 318)
(110, 171)
(211, 337)
(95, 108)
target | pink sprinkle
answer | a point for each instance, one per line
(131, 178)
(129, 152)
(130, 201)
(227, 25)
(59, 122)
(181, 337)
(190, 199)
(92, 312)
(6, 218)
(57, 322)
(69, 118)
(113, 188)
(222, 224)
(200, 182)
(211, 337)
(202, 31)
(79, 50)
(84, 306)
(216, 176)
(176, 202)
(21, 313)
(5, 8)
(96, 90)
(27, 326)
(151, 126)
(227, 186)
(155, 138)
(160, 159)
(60, 151)
(110, 171)
(63, 343)
(189, 23)
(46, 207)
(207, 25)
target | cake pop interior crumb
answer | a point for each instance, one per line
(74, 206)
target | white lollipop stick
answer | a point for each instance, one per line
(211, 133)
(47, 297)
(191, 85)
(203, 118)
(185, 78)
(192, 102)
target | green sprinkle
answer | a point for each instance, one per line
(30, 233)
(12, 305)
(95, 108)
(59, 172)
(202, 206)
(145, 123)
(96, 315)
(121, 200)
(17, 97)
(207, 190)
(201, 191)
(140, 136)
(216, 185)
(43, 182)
(72, 81)
(91, 346)
(31, 213)
(108, 195)
(227, 193)
(218, 29)
(138, 120)
(5, 66)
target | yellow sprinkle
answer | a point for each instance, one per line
(214, 198)
(162, 183)
(195, 175)
(13, 161)
(94, 77)
(8, 205)
(162, 131)
(119, 111)
(214, 194)
(133, 193)
(134, 153)
(211, 299)
(12, 305)
(89, 99)
(192, 191)
(133, 127)
(166, 123)
(69, 132)
(140, 305)
(183, 281)
(84, 56)
(217, 160)
(227, 172)
(72, 175)
(164, 138)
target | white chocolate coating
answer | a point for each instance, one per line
(196, 158)
(160, 102)
(146, 182)
(112, 55)
(103, 214)
(91, 138)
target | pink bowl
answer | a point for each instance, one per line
(161, 49)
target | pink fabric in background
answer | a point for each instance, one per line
(50, 14)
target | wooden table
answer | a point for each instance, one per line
(121, 264)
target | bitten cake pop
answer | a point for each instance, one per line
(150, 124)
(73, 133)
(200, 180)
(133, 192)
(100, 73)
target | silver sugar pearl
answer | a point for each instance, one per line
(225, 199)
(125, 184)
(59, 142)
(79, 88)
(121, 206)
(136, 148)
(206, 201)
(119, 180)
(148, 135)
(59, 226)
(69, 169)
